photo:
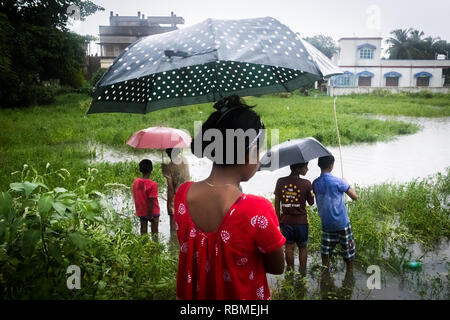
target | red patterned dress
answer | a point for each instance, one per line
(228, 263)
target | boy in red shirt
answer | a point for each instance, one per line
(145, 193)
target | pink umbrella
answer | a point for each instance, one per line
(159, 138)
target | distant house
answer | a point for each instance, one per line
(364, 70)
(124, 30)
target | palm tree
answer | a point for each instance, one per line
(411, 44)
(400, 45)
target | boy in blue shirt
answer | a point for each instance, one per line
(329, 192)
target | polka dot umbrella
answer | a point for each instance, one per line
(205, 63)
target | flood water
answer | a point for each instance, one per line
(403, 159)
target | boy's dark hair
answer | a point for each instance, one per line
(325, 162)
(145, 166)
(299, 165)
(232, 113)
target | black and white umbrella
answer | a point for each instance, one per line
(205, 63)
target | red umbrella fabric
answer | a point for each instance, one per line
(160, 138)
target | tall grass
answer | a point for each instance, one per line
(60, 133)
(388, 220)
(45, 228)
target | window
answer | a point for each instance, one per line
(392, 78)
(366, 53)
(364, 81)
(392, 82)
(343, 80)
(423, 81)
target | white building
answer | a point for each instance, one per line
(364, 70)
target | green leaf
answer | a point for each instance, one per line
(44, 205)
(16, 186)
(42, 185)
(92, 206)
(78, 239)
(5, 204)
(59, 207)
(60, 190)
(29, 187)
(66, 195)
(30, 239)
(55, 251)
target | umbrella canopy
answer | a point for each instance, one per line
(159, 138)
(324, 64)
(204, 63)
(292, 152)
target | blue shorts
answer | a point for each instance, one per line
(296, 233)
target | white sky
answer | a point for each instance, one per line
(335, 18)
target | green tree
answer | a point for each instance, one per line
(411, 44)
(37, 46)
(323, 43)
(48, 13)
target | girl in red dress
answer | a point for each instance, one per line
(228, 239)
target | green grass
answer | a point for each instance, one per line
(44, 229)
(386, 220)
(59, 133)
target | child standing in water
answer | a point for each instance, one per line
(145, 193)
(329, 191)
(292, 192)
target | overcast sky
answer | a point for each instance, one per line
(334, 18)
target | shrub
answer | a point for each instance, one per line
(97, 76)
(282, 94)
(42, 94)
(44, 230)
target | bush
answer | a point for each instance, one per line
(44, 230)
(42, 95)
(382, 92)
(97, 75)
(282, 94)
(421, 94)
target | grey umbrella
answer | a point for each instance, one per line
(291, 152)
(205, 63)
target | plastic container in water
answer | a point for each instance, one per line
(414, 265)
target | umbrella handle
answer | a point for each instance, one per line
(339, 138)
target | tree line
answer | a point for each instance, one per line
(36, 46)
(403, 44)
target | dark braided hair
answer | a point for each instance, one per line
(231, 113)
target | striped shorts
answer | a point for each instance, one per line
(344, 237)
